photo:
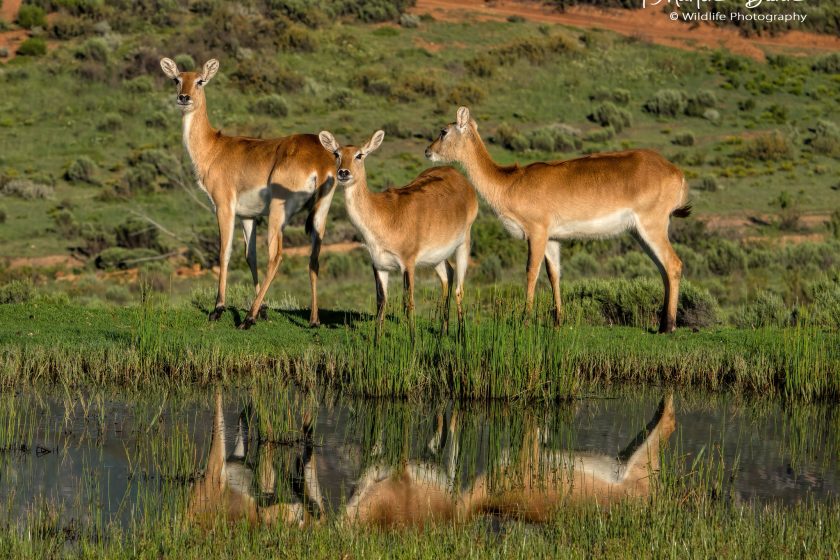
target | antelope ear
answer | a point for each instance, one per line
(374, 142)
(169, 67)
(328, 141)
(463, 118)
(210, 69)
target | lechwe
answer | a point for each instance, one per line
(251, 177)
(421, 224)
(600, 195)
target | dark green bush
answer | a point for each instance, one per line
(34, 46)
(829, 64)
(272, 105)
(489, 269)
(697, 103)
(185, 62)
(466, 94)
(684, 139)
(490, 238)
(667, 103)
(140, 177)
(707, 183)
(26, 189)
(266, 77)
(95, 50)
(725, 257)
(482, 66)
(135, 233)
(67, 27)
(607, 114)
(16, 291)
(31, 16)
(373, 81)
(121, 258)
(112, 122)
(601, 135)
(618, 95)
(81, 170)
(509, 137)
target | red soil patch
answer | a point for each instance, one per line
(652, 25)
(9, 10)
(50, 261)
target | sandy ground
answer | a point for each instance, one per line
(652, 25)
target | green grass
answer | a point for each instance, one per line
(494, 356)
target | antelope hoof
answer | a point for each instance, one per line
(247, 323)
(667, 328)
(263, 313)
(216, 314)
(314, 323)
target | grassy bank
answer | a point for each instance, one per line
(493, 356)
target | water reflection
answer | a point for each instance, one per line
(276, 456)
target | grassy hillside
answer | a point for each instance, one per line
(91, 139)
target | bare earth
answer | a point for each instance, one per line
(652, 25)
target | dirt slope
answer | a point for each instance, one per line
(652, 25)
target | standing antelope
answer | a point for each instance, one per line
(251, 177)
(594, 196)
(421, 224)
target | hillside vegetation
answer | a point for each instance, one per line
(92, 162)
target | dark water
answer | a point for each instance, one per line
(98, 460)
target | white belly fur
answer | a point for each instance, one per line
(603, 226)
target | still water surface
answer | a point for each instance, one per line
(100, 460)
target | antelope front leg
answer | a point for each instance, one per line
(381, 279)
(276, 219)
(251, 258)
(446, 275)
(409, 298)
(552, 267)
(319, 226)
(225, 217)
(536, 250)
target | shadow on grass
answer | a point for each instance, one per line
(330, 318)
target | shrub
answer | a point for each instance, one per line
(409, 21)
(137, 234)
(725, 257)
(4, 52)
(121, 258)
(600, 135)
(272, 105)
(141, 177)
(81, 170)
(34, 46)
(768, 146)
(267, 77)
(583, 264)
(2, 216)
(165, 168)
(482, 66)
(509, 137)
(490, 269)
(139, 85)
(393, 129)
(834, 224)
(112, 122)
(372, 81)
(158, 119)
(185, 62)
(95, 49)
(697, 103)
(466, 94)
(707, 183)
(711, 115)
(607, 114)
(31, 16)
(618, 95)
(16, 291)
(830, 64)
(824, 295)
(638, 302)
(667, 103)
(825, 139)
(684, 139)
(26, 189)
(766, 310)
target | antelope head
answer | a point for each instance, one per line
(453, 138)
(190, 84)
(350, 160)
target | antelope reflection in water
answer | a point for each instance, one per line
(529, 485)
(235, 488)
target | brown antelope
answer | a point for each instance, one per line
(227, 490)
(421, 224)
(251, 177)
(543, 480)
(600, 195)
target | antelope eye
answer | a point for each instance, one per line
(176, 80)
(359, 156)
(442, 132)
(200, 82)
